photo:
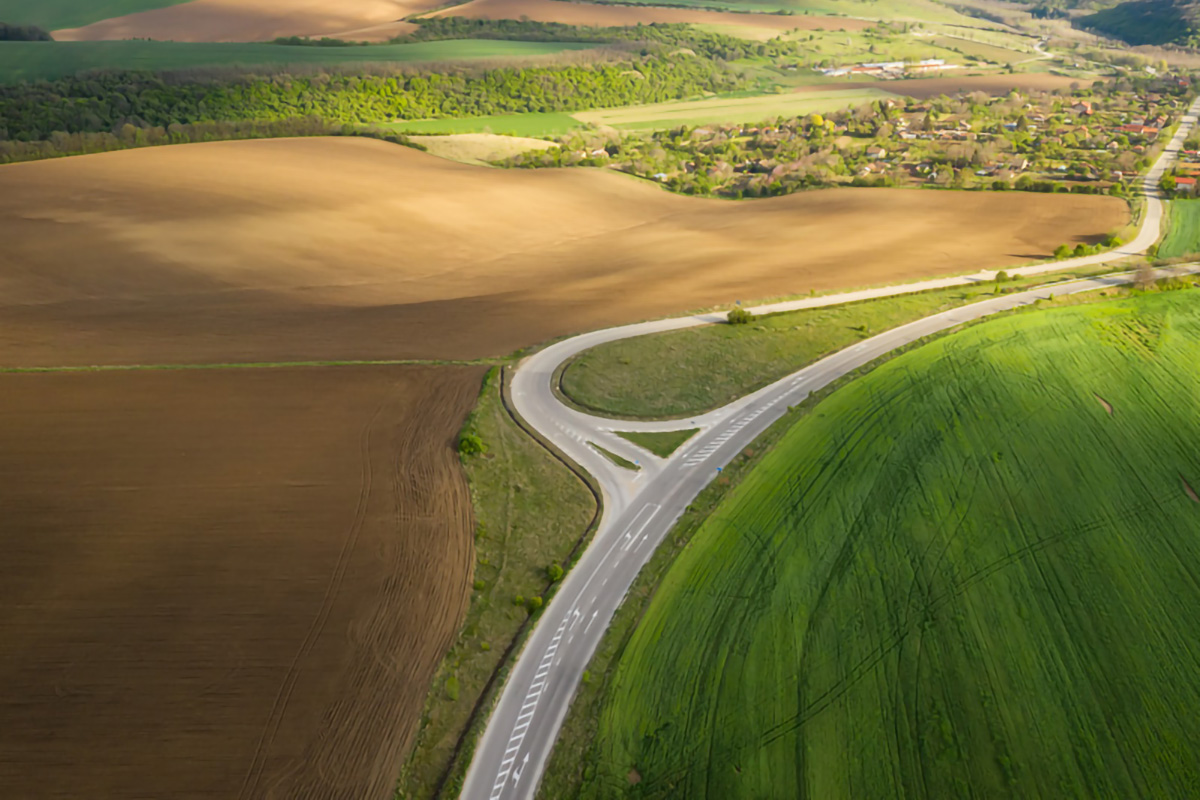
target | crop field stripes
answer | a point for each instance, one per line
(536, 689)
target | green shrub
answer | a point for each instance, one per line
(554, 572)
(452, 687)
(534, 603)
(470, 444)
(739, 316)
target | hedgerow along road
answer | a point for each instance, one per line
(641, 507)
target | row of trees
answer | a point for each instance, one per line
(105, 101)
(664, 36)
(127, 136)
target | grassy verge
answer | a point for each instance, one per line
(574, 759)
(696, 369)
(661, 443)
(614, 458)
(532, 512)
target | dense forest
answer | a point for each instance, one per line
(1147, 22)
(104, 102)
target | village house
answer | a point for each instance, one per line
(1185, 185)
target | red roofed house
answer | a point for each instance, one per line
(1185, 185)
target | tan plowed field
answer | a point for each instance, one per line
(225, 584)
(997, 84)
(609, 15)
(256, 21)
(357, 249)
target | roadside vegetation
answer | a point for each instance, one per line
(1022, 499)
(620, 461)
(698, 369)
(661, 443)
(532, 514)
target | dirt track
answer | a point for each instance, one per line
(256, 21)
(226, 583)
(356, 249)
(599, 14)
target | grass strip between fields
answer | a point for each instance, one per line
(255, 365)
(573, 760)
(694, 370)
(661, 443)
(534, 511)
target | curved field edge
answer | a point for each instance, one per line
(574, 761)
(694, 370)
(532, 512)
(929, 567)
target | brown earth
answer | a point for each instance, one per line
(614, 15)
(316, 249)
(923, 88)
(226, 583)
(257, 20)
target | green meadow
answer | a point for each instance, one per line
(1183, 229)
(550, 123)
(970, 573)
(48, 60)
(54, 14)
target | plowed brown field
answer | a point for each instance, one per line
(599, 14)
(225, 584)
(356, 249)
(949, 85)
(257, 20)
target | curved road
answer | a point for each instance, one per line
(640, 508)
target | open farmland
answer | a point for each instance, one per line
(230, 583)
(570, 13)
(1183, 230)
(968, 572)
(255, 21)
(31, 61)
(330, 249)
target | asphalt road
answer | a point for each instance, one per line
(640, 508)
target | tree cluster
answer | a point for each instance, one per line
(23, 33)
(106, 101)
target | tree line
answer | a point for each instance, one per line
(105, 101)
(23, 33)
(666, 36)
(129, 136)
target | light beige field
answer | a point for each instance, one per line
(257, 20)
(479, 148)
(614, 15)
(314, 249)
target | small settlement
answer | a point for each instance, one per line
(1092, 141)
